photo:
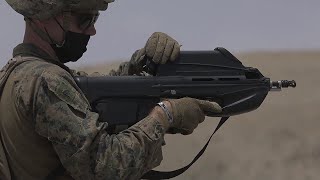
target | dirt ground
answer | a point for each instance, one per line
(280, 140)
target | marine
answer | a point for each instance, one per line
(46, 122)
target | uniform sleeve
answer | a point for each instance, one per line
(132, 67)
(63, 116)
(123, 70)
(128, 68)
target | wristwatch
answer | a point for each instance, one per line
(166, 110)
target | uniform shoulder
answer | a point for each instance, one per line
(38, 73)
(37, 67)
(48, 67)
(62, 86)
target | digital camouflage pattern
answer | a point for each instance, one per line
(46, 119)
(44, 9)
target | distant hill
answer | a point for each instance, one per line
(101, 68)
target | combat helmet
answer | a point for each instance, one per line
(45, 9)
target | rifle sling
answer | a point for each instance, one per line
(155, 175)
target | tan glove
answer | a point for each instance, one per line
(187, 113)
(160, 48)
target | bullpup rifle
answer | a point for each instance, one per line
(209, 75)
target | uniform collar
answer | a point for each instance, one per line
(28, 49)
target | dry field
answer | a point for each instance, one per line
(279, 141)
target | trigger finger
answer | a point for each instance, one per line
(208, 106)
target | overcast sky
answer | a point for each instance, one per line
(238, 25)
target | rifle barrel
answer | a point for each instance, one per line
(278, 85)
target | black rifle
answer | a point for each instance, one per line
(210, 75)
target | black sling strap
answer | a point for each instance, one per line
(157, 175)
(154, 175)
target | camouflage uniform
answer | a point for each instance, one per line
(46, 120)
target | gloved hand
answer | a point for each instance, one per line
(187, 113)
(160, 48)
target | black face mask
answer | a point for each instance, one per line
(74, 46)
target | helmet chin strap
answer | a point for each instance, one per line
(44, 35)
(64, 33)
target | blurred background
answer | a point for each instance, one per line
(278, 141)
(240, 26)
